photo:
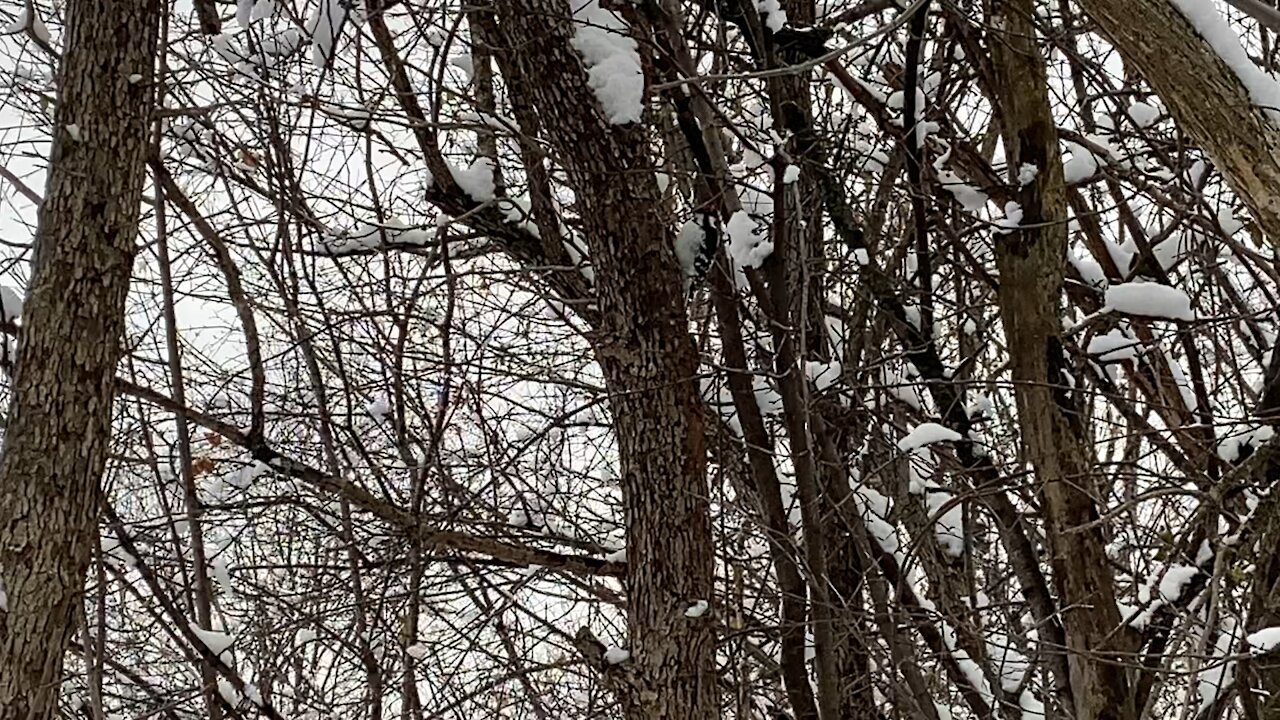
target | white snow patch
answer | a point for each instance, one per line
(1114, 346)
(927, 434)
(1012, 218)
(1219, 672)
(772, 13)
(1263, 641)
(20, 22)
(217, 642)
(615, 655)
(1143, 115)
(476, 180)
(379, 408)
(1081, 166)
(749, 243)
(10, 304)
(1262, 87)
(1175, 580)
(1150, 300)
(823, 375)
(697, 609)
(613, 65)
(325, 27)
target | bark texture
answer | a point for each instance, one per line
(59, 424)
(1031, 262)
(1204, 95)
(649, 361)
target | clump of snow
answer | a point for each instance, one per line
(1027, 174)
(1114, 346)
(1219, 672)
(1150, 300)
(791, 174)
(772, 13)
(417, 651)
(969, 197)
(1081, 166)
(28, 15)
(1175, 580)
(823, 375)
(1012, 218)
(1210, 24)
(927, 434)
(690, 244)
(1143, 115)
(949, 526)
(1090, 271)
(615, 655)
(217, 642)
(466, 63)
(1263, 641)
(379, 408)
(476, 180)
(613, 65)
(246, 475)
(325, 27)
(697, 609)
(368, 236)
(749, 243)
(874, 508)
(10, 305)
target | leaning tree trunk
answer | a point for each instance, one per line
(649, 361)
(1031, 261)
(1204, 95)
(59, 424)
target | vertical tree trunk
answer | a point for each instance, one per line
(648, 358)
(56, 443)
(1031, 261)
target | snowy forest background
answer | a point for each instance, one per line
(368, 462)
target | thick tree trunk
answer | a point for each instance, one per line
(59, 427)
(649, 361)
(1204, 95)
(1031, 262)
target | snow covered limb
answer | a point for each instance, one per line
(1196, 63)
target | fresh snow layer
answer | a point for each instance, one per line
(1210, 24)
(1263, 641)
(1151, 300)
(613, 65)
(927, 434)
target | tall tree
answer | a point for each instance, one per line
(59, 424)
(643, 345)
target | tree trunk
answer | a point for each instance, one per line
(55, 446)
(1204, 95)
(649, 361)
(1031, 261)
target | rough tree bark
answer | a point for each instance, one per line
(1031, 261)
(1204, 95)
(59, 427)
(1208, 100)
(649, 361)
